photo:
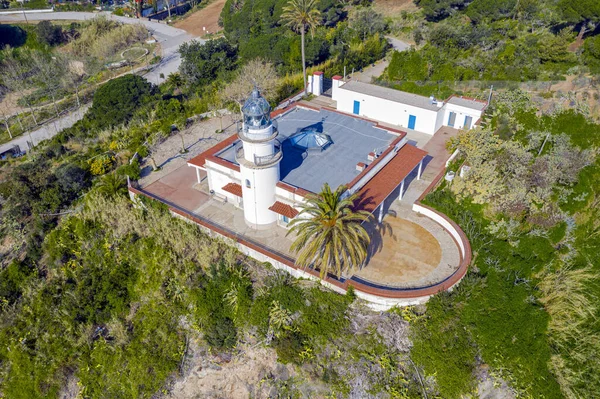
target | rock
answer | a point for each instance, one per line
(281, 372)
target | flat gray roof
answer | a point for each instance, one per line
(390, 94)
(353, 139)
(467, 102)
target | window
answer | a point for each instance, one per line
(285, 219)
(248, 185)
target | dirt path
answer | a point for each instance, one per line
(207, 18)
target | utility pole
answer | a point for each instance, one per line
(24, 13)
(490, 96)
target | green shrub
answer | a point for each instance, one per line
(12, 36)
(116, 101)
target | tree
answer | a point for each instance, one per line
(584, 12)
(256, 73)
(14, 76)
(116, 101)
(13, 36)
(49, 72)
(329, 230)
(479, 10)
(202, 63)
(366, 22)
(302, 15)
(436, 10)
(73, 75)
(49, 34)
(175, 80)
(112, 185)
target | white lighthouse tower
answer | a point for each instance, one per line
(258, 155)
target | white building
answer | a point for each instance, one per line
(267, 170)
(406, 110)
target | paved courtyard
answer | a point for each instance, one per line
(407, 251)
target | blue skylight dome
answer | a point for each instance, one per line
(256, 110)
(311, 140)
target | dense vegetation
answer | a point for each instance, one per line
(106, 296)
(528, 305)
(494, 42)
(349, 36)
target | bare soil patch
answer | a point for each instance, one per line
(9, 105)
(207, 18)
(392, 8)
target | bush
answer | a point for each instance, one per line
(12, 36)
(116, 101)
(220, 333)
(49, 34)
(201, 63)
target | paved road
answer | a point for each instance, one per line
(374, 71)
(170, 38)
(398, 44)
(47, 131)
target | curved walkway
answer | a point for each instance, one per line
(414, 252)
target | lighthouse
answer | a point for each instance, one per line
(258, 153)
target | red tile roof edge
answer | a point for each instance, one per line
(233, 188)
(375, 161)
(284, 209)
(200, 159)
(390, 176)
(223, 162)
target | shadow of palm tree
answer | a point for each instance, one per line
(376, 230)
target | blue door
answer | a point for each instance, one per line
(412, 120)
(356, 107)
(452, 119)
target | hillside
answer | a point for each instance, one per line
(103, 297)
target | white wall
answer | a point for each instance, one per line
(442, 222)
(218, 176)
(461, 113)
(387, 111)
(260, 195)
(439, 122)
(258, 149)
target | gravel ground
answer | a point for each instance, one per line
(197, 138)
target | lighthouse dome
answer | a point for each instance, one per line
(256, 110)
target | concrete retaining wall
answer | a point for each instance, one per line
(378, 298)
(25, 11)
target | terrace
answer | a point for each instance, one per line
(412, 251)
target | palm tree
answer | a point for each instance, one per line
(330, 235)
(175, 80)
(301, 15)
(112, 185)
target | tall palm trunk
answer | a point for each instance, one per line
(303, 61)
